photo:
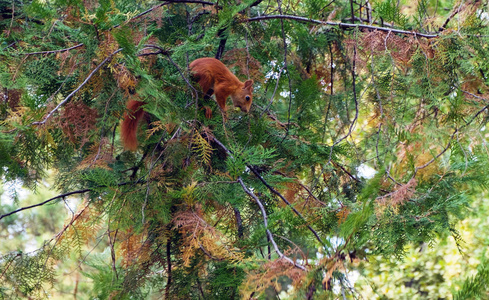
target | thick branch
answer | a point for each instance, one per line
(340, 24)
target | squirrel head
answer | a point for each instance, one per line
(243, 97)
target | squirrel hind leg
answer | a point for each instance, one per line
(208, 94)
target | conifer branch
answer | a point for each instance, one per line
(107, 59)
(255, 172)
(274, 191)
(265, 222)
(341, 25)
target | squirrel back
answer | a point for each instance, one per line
(214, 77)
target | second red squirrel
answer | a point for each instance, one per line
(213, 77)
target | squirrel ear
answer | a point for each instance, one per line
(248, 83)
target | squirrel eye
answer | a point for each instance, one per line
(247, 98)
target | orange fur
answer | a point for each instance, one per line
(214, 77)
(130, 123)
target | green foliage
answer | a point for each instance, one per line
(360, 144)
(389, 11)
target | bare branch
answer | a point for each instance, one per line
(107, 59)
(45, 202)
(265, 222)
(453, 14)
(341, 25)
(55, 51)
(288, 203)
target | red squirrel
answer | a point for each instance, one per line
(213, 77)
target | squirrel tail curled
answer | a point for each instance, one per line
(130, 123)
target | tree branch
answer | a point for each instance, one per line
(65, 195)
(453, 14)
(265, 222)
(190, 1)
(275, 192)
(341, 25)
(55, 51)
(44, 202)
(107, 59)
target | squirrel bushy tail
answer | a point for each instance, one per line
(130, 123)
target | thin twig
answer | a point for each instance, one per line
(274, 91)
(10, 45)
(167, 53)
(475, 96)
(352, 124)
(438, 155)
(450, 140)
(166, 3)
(12, 19)
(55, 51)
(455, 12)
(286, 70)
(65, 195)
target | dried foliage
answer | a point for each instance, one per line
(199, 235)
(100, 156)
(398, 197)
(268, 274)
(77, 121)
